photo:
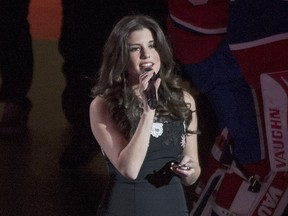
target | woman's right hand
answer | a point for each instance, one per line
(144, 79)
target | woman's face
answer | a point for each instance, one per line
(142, 54)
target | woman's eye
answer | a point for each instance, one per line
(134, 49)
(151, 46)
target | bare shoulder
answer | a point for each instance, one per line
(189, 99)
(96, 102)
(97, 106)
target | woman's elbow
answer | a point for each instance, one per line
(130, 176)
(197, 175)
(130, 173)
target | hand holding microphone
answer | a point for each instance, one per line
(151, 90)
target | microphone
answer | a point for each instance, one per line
(151, 91)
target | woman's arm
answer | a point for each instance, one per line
(126, 156)
(190, 156)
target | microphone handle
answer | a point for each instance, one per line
(151, 93)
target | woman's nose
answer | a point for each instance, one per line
(145, 54)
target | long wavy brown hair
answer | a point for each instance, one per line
(112, 85)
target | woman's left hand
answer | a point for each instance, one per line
(185, 168)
